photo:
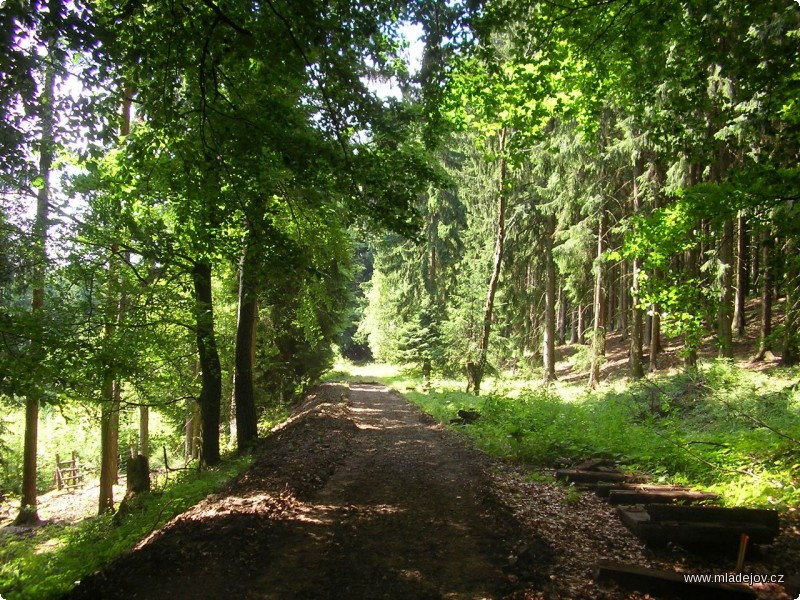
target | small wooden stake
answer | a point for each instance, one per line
(742, 551)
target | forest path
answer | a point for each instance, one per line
(360, 495)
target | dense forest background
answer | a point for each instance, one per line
(202, 203)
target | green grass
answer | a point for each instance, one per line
(722, 428)
(47, 561)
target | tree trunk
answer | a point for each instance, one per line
(144, 431)
(791, 336)
(623, 296)
(691, 339)
(500, 237)
(598, 332)
(109, 398)
(739, 317)
(635, 356)
(28, 513)
(655, 339)
(725, 310)
(244, 390)
(549, 347)
(573, 325)
(611, 299)
(561, 319)
(765, 344)
(581, 310)
(107, 451)
(193, 431)
(211, 373)
(138, 475)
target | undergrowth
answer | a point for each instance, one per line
(46, 562)
(722, 428)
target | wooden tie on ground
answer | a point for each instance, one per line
(668, 583)
(658, 514)
(699, 525)
(625, 488)
(631, 493)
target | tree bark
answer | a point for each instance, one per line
(598, 332)
(193, 431)
(561, 319)
(244, 390)
(500, 237)
(28, 513)
(109, 397)
(611, 298)
(655, 339)
(623, 296)
(107, 452)
(211, 372)
(742, 246)
(549, 346)
(791, 337)
(765, 345)
(581, 310)
(144, 431)
(691, 338)
(725, 310)
(635, 357)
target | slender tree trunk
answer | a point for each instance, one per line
(211, 372)
(635, 357)
(573, 325)
(753, 277)
(623, 295)
(791, 336)
(500, 237)
(739, 317)
(549, 346)
(725, 311)
(655, 339)
(107, 453)
(109, 397)
(111, 391)
(28, 513)
(611, 298)
(244, 390)
(115, 430)
(765, 344)
(561, 324)
(144, 431)
(599, 333)
(194, 431)
(188, 440)
(581, 310)
(691, 338)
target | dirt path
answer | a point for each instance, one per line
(359, 496)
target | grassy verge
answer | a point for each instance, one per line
(722, 428)
(47, 561)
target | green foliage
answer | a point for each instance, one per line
(707, 428)
(48, 562)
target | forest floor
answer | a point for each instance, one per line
(361, 495)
